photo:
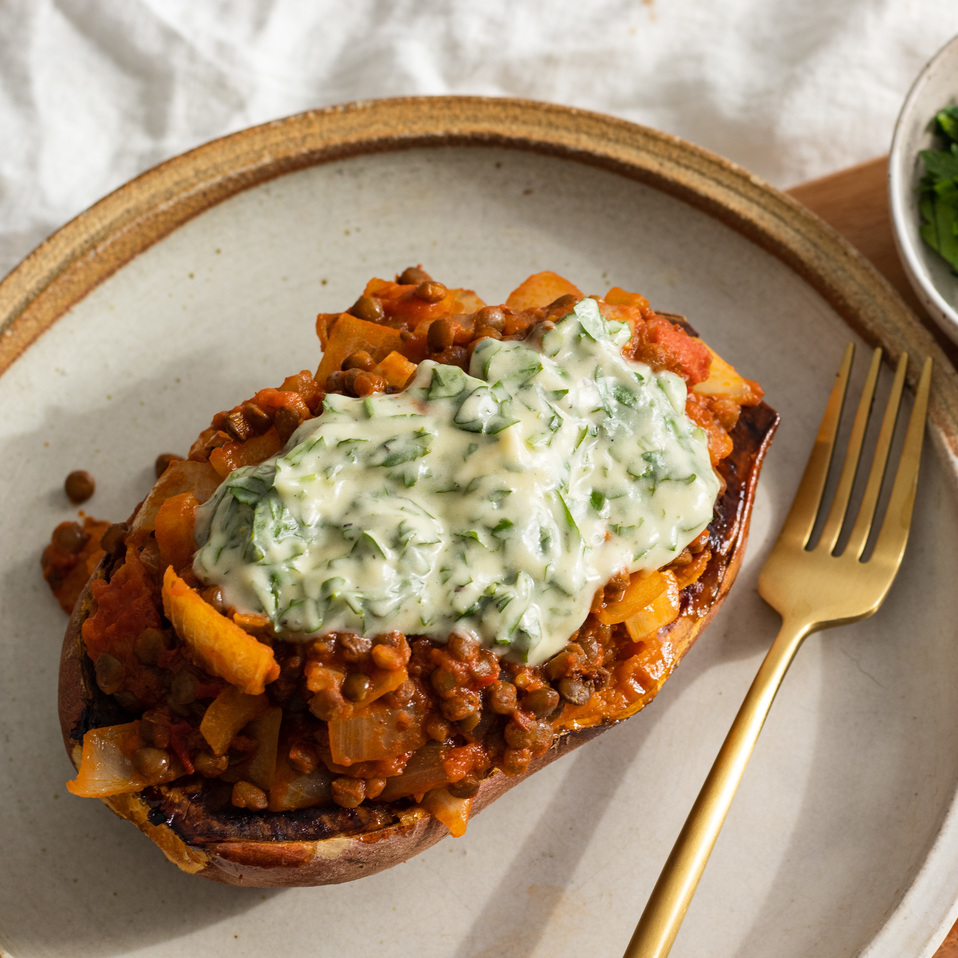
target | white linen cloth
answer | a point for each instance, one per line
(93, 92)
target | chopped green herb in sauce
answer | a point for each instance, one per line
(494, 502)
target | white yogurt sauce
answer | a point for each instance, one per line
(494, 502)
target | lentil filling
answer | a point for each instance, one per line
(218, 699)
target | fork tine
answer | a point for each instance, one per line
(804, 510)
(893, 535)
(866, 512)
(843, 491)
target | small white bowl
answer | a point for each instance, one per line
(931, 277)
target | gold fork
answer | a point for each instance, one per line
(812, 588)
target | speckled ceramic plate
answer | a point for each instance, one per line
(198, 282)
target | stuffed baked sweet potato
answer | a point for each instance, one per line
(376, 597)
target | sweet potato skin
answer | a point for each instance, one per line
(332, 845)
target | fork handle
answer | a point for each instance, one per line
(673, 892)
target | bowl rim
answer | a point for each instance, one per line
(900, 186)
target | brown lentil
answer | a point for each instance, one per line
(395, 640)
(359, 360)
(593, 641)
(367, 307)
(110, 673)
(336, 382)
(492, 317)
(538, 330)
(355, 686)
(349, 380)
(367, 383)
(541, 702)
(437, 728)
(402, 695)
(430, 291)
(413, 276)
(290, 668)
(455, 356)
(484, 666)
(325, 704)
(287, 421)
(564, 662)
(70, 537)
(463, 646)
(502, 697)
(183, 688)
(155, 731)
(469, 723)
(149, 645)
(444, 682)
(353, 647)
(574, 691)
(464, 788)
(79, 486)
(542, 735)
(213, 595)
(440, 335)
(519, 735)
(516, 760)
(210, 765)
(464, 702)
(151, 762)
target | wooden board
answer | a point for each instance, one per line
(855, 202)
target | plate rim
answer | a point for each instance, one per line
(91, 247)
(98, 242)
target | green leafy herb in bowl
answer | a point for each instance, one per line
(938, 190)
(922, 170)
